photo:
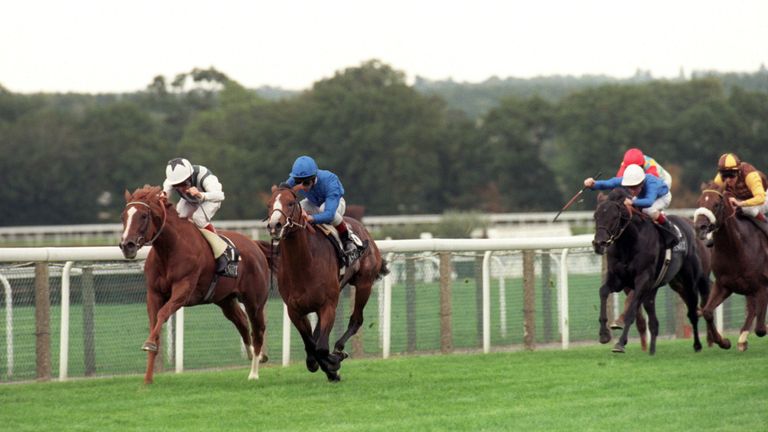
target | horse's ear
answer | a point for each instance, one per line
(274, 188)
(601, 197)
(127, 196)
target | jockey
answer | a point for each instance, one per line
(324, 198)
(201, 196)
(635, 156)
(649, 193)
(747, 184)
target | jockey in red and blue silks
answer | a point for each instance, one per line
(635, 156)
(323, 197)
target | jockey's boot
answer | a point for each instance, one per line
(760, 217)
(668, 232)
(350, 248)
(224, 266)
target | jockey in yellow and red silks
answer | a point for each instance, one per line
(745, 182)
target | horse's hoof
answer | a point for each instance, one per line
(725, 344)
(263, 358)
(605, 338)
(341, 355)
(617, 326)
(312, 365)
(618, 349)
(333, 377)
(760, 332)
(149, 347)
(743, 346)
(697, 347)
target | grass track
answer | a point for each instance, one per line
(581, 389)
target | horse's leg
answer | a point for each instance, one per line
(362, 294)
(642, 328)
(751, 308)
(761, 307)
(152, 345)
(305, 331)
(686, 289)
(605, 334)
(231, 309)
(255, 311)
(330, 363)
(716, 296)
(653, 320)
(154, 302)
(618, 323)
(641, 282)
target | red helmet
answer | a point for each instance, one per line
(634, 156)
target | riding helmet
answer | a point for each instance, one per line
(304, 167)
(728, 162)
(178, 170)
(633, 175)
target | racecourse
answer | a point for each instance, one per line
(586, 388)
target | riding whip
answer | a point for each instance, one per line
(575, 197)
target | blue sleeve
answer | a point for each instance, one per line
(331, 205)
(607, 184)
(649, 194)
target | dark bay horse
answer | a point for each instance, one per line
(309, 279)
(635, 257)
(180, 268)
(740, 262)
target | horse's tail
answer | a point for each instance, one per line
(384, 270)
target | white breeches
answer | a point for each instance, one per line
(755, 210)
(658, 206)
(313, 209)
(201, 214)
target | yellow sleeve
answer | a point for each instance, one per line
(755, 185)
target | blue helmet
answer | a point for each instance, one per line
(303, 167)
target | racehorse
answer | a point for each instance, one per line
(179, 271)
(309, 278)
(637, 260)
(740, 262)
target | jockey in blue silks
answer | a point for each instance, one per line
(649, 193)
(323, 197)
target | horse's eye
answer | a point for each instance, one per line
(291, 204)
(143, 216)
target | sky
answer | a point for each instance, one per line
(111, 46)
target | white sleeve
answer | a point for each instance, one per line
(213, 190)
(167, 188)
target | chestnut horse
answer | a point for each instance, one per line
(309, 279)
(740, 262)
(180, 268)
(635, 259)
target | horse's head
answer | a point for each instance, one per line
(143, 217)
(712, 205)
(283, 212)
(611, 219)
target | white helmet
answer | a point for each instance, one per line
(633, 175)
(178, 170)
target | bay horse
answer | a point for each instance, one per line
(636, 257)
(180, 268)
(740, 262)
(309, 278)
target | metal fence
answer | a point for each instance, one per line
(68, 311)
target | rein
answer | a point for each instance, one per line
(721, 207)
(623, 224)
(165, 216)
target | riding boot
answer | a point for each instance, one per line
(221, 264)
(350, 248)
(670, 238)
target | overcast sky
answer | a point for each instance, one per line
(116, 46)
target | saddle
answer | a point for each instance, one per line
(333, 236)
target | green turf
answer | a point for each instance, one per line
(585, 388)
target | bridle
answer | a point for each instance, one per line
(290, 222)
(619, 226)
(140, 239)
(716, 212)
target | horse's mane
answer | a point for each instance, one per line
(149, 194)
(711, 185)
(618, 194)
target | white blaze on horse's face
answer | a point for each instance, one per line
(128, 221)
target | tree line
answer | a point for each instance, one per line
(398, 149)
